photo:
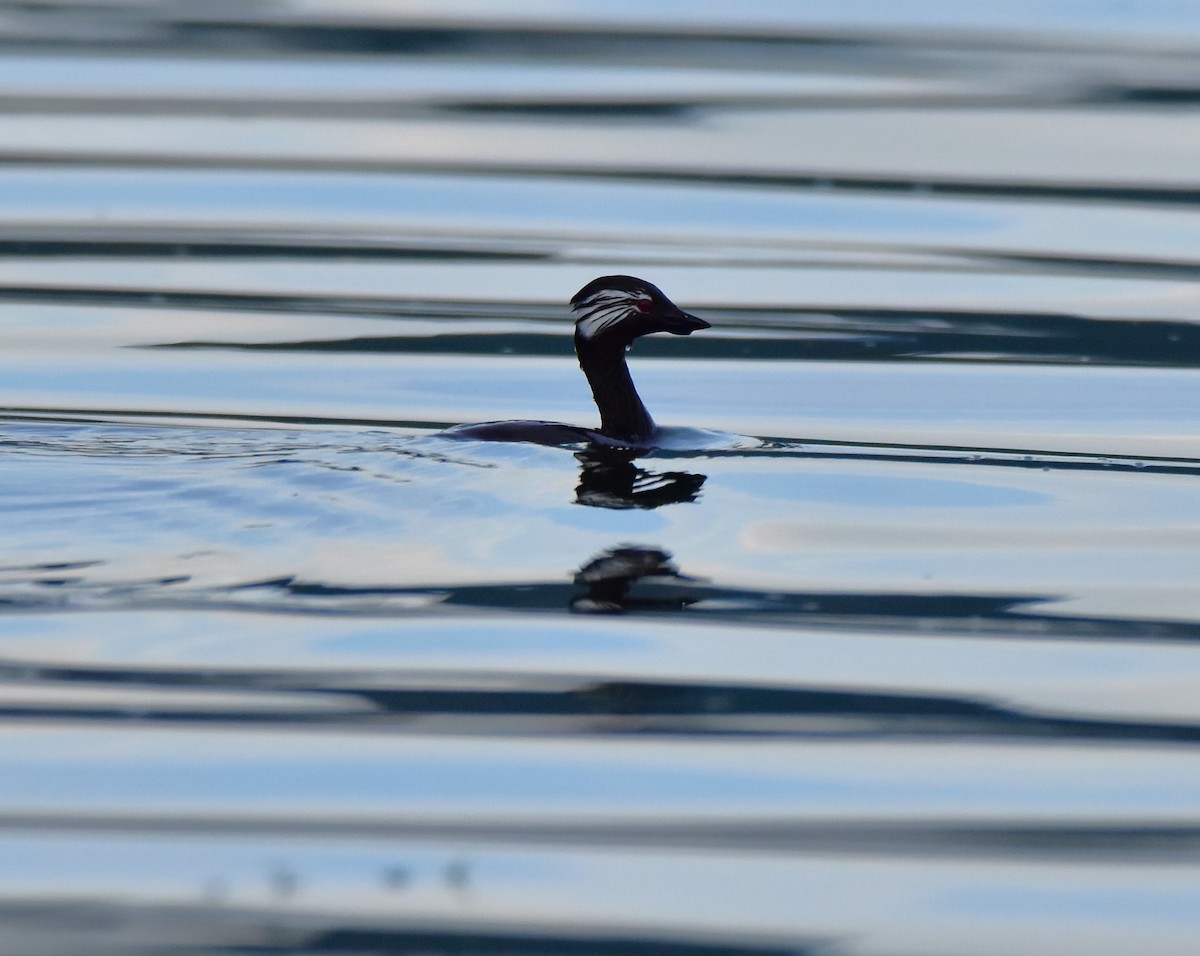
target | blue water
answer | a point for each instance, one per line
(891, 649)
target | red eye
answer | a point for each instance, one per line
(644, 305)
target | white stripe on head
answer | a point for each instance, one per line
(602, 310)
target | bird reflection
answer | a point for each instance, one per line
(608, 478)
(609, 577)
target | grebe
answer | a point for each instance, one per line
(610, 312)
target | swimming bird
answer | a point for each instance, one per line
(610, 313)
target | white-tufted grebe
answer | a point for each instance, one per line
(610, 313)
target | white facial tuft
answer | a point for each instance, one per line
(604, 309)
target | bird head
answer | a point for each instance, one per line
(618, 309)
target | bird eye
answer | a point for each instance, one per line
(644, 305)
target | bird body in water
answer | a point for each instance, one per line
(610, 313)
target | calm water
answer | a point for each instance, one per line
(906, 661)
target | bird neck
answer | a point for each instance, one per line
(622, 414)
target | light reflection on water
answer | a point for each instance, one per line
(898, 655)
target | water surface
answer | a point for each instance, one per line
(903, 659)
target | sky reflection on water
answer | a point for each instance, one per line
(890, 649)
